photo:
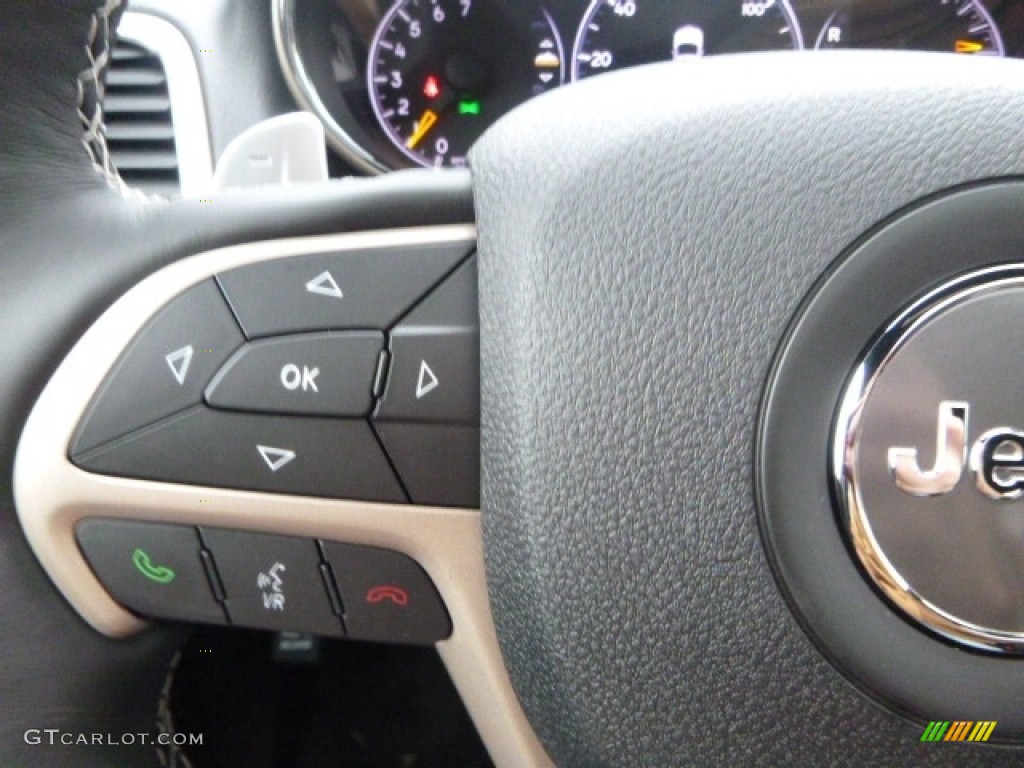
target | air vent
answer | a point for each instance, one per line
(139, 126)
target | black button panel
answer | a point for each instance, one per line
(264, 581)
(435, 376)
(350, 290)
(295, 409)
(319, 374)
(165, 369)
(387, 596)
(151, 568)
(439, 463)
(427, 419)
(337, 458)
(435, 353)
(272, 582)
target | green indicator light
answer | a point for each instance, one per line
(469, 107)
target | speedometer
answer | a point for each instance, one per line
(441, 71)
(624, 33)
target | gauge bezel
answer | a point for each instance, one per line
(302, 88)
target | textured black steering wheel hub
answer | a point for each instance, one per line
(638, 271)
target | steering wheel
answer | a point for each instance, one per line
(679, 268)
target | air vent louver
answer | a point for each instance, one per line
(137, 115)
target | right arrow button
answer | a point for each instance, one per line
(435, 358)
(427, 381)
(428, 417)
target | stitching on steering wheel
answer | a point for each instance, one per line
(171, 755)
(90, 94)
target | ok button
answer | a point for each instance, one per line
(317, 374)
(293, 377)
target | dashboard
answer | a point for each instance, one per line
(405, 83)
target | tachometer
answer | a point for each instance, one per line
(956, 26)
(441, 71)
(624, 33)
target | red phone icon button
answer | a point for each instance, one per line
(395, 595)
(386, 596)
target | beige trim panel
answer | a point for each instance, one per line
(52, 495)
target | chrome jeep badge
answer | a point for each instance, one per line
(928, 479)
(996, 459)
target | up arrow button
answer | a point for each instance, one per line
(346, 290)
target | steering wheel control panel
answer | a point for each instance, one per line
(350, 375)
(217, 576)
(280, 435)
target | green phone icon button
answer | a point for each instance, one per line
(158, 573)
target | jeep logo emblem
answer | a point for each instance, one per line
(996, 459)
(929, 527)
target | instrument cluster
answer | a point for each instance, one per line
(400, 83)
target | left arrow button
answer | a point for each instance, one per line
(164, 369)
(179, 362)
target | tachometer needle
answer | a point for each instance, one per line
(422, 128)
